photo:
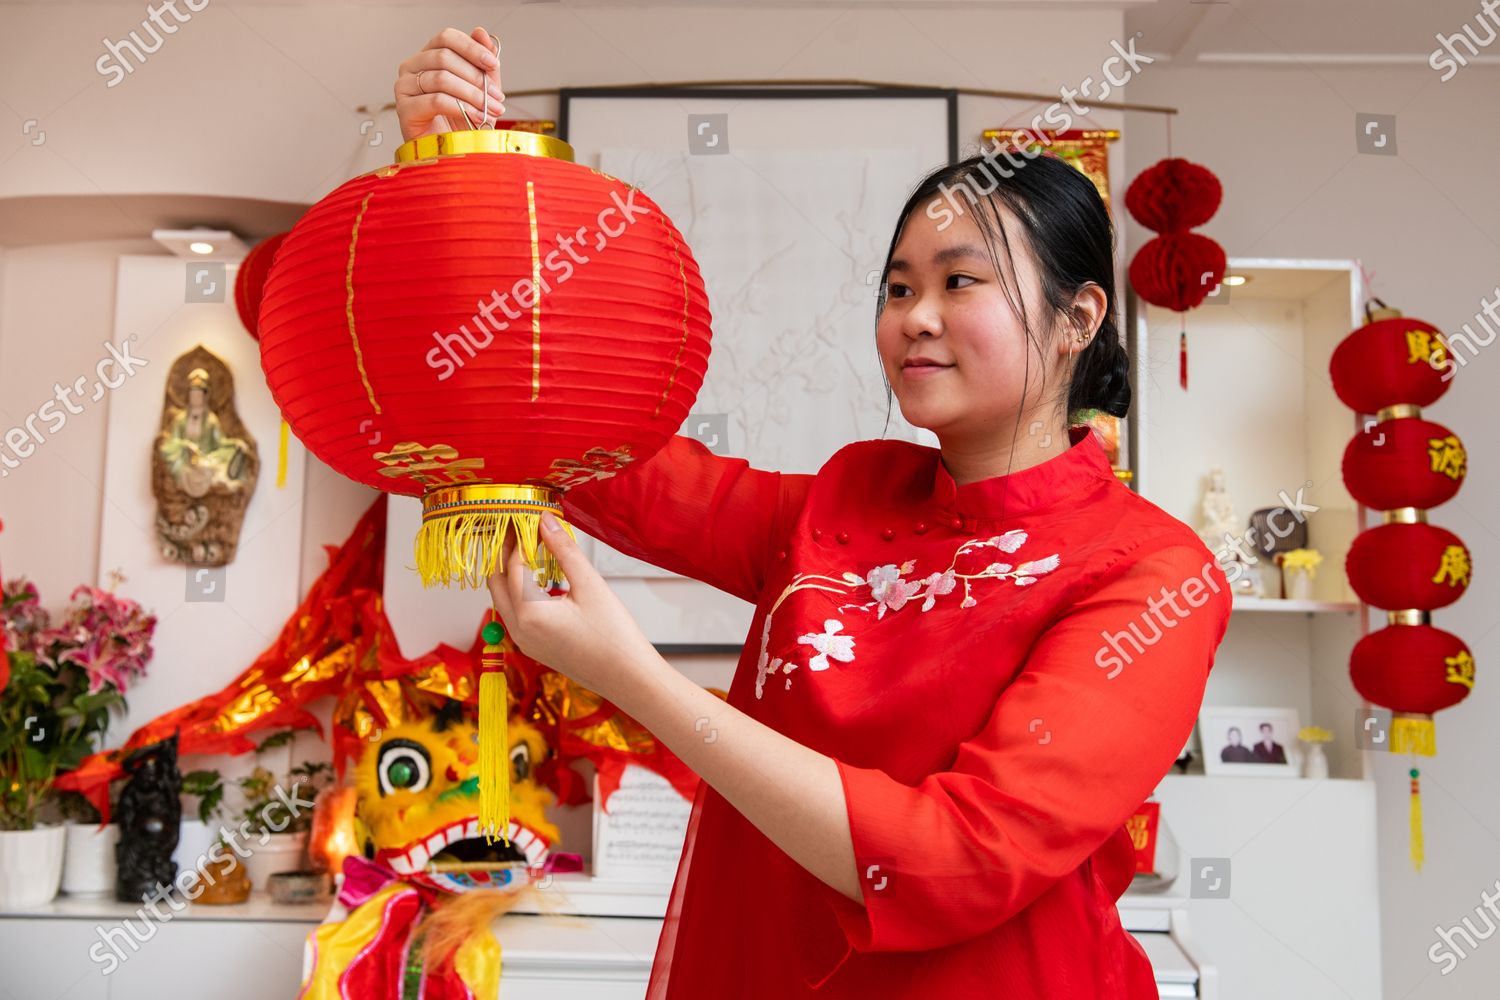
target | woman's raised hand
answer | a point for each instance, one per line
(451, 70)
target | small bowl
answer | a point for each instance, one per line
(297, 887)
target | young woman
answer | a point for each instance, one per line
(967, 667)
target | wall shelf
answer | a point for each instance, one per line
(1288, 605)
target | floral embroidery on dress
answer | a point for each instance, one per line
(891, 587)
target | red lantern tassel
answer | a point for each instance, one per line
(1182, 357)
(1417, 852)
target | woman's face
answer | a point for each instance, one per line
(945, 304)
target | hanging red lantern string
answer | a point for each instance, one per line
(484, 325)
(1178, 269)
(1402, 464)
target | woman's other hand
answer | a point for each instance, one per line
(451, 70)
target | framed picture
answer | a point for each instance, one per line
(788, 198)
(1259, 742)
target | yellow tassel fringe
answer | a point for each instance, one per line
(1414, 735)
(464, 530)
(494, 752)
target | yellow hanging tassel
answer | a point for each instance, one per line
(464, 530)
(1414, 734)
(1417, 848)
(494, 738)
(281, 457)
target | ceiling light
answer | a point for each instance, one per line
(202, 242)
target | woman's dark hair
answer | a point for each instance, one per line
(1067, 228)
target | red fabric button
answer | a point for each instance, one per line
(843, 538)
(887, 534)
(817, 533)
(781, 556)
(958, 522)
(921, 527)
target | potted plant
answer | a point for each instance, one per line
(276, 830)
(54, 708)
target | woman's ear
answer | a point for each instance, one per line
(1083, 315)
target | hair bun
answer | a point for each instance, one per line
(1102, 375)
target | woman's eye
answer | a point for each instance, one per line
(959, 277)
(895, 291)
(403, 767)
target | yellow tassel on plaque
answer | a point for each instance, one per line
(281, 456)
(494, 737)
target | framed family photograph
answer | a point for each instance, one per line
(1260, 742)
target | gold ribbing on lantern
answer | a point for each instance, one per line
(464, 529)
(487, 140)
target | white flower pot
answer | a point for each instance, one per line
(1298, 584)
(30, 866)
(1315, 763)
(89, 859)
(194, 840)
(282, 852)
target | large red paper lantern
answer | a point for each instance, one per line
(250, 281)
(1414, 669)
(1406, 462)
(1408, 566)
(1391, 361)
(484, 325)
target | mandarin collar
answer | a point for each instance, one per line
(1062, 476)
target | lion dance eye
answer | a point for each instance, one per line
(404, 767)
(520, 762)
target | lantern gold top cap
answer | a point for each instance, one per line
(427, 147)
(1384, 312)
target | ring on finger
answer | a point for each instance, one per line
(419, 82)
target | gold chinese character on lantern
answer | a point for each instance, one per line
(1460, 669)
(1427, 347)
(1448, 456)
(597, 464)
(438, 465)
(1455, 567)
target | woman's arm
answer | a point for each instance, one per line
(791, 793)
(1073, 746)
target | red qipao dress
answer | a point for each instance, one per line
(1003, 671)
